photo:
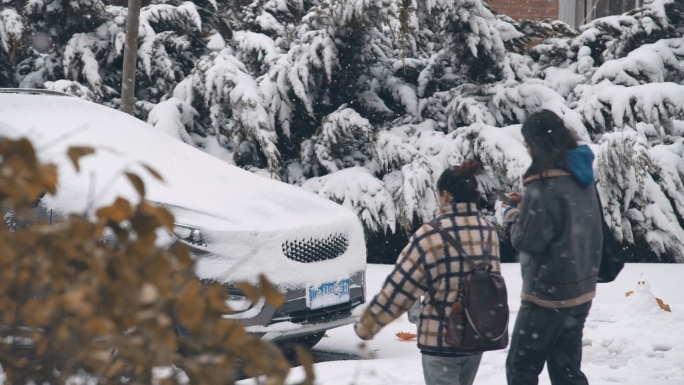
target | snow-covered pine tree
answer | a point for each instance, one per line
(366, 102)
(344, 74)
(82, 41)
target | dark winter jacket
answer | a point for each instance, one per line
(558, 232)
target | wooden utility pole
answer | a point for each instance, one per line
(130, 57)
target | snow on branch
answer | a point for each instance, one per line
(622, 161)
(72, 88)
(650, 63)
(612, 108)
(275, 88)
(315, 52)
(528, 97)
(80, 59)
(503, 156)
(175, 118)
(184, 13)
(89, 56)
(394, 151)
(669, 159)
(358, 190)
(502, 104)
(373, 103)
(11, 31)
(151, 52)
(634, 203)
(345, 139)
(416, 197)
(258, 51)
(403, 92)
(236, 106)
(614, 37)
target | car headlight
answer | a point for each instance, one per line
(237, 301)
(189, 234)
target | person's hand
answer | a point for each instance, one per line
(361, 332)
(515, 197)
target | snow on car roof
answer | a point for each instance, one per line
(193, 179)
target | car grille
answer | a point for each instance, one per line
(314, 250)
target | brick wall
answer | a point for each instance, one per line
(526, 9)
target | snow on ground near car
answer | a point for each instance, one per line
(623, 342)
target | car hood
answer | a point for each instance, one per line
(194, 181)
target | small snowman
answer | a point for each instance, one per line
(643, 300)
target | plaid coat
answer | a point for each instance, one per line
(430, 266)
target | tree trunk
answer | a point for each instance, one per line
(130, 57)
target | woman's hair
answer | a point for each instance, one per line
(548, 140)
(460, 181)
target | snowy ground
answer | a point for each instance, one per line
(624, 343)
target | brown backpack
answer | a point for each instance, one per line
(479, 318)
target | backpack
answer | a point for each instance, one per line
(612, 258)
(479, 318)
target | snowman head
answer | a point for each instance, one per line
(643, 286)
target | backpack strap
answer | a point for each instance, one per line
(486, 249)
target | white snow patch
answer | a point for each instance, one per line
(619, 345)
(216, 42)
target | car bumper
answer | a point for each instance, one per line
(304, 330)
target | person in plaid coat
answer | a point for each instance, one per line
(431, 267)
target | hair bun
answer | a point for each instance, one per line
(470, 167)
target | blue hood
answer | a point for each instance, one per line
(580, 164)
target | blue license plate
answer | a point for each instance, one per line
(328, 294)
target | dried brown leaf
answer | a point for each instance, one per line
(48, 177)
(250, 291)
(137, 183)
(99, 326)
(37, 313)
(270, 293)
(144, 224)
(164, 217)
(75, 302)
(663, 305)
(306, 360)
(406, 336)
(190, 307)
(153, 172)
(228, 332)
(118, 212)
(76, 152)
(41, 343)
(216, 299)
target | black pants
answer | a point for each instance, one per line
(553, 336)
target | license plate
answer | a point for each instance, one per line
(328, 294)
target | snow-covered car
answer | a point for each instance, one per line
(237, 224)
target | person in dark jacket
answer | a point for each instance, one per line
(557, 230)
(430, 266)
